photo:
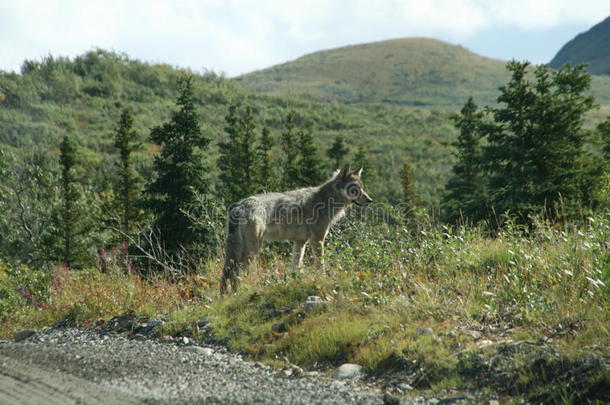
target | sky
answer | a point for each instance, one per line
(239, 36)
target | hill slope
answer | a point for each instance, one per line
(592, 47)
(84, 96)
(406, 71)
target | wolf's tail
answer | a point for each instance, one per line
(233, 252)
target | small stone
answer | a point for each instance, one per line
(313, 303)
(390, 400)
(404, 387)
(204, 351)
(494, 402)
(185, 340)
(424, 331)
(484, 342)
(349, 371)
(147, 327)
(23, 334)
(474, 334)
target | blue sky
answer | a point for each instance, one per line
(239, 36)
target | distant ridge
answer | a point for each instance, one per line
(592, 47)
(406, 71)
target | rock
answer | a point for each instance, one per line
(474, 334)
(404, 387)
(147, 327)
(23, 334)
(494, 402)
(349, 371)
(280, 327)
(424, 331)
(313, 303)
(204, 351)
(205, 323)
(484, 342)
(185, 340)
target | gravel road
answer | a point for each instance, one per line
(87, 366)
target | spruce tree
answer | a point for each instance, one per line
(238, 158)
(604, 132)
(128, 187)
(264, 153)
(310, 165)
(337, 152)
(465, 193)
(288, 145)
(182, 173)
(72, 223)
(362, 161)
(535, 151)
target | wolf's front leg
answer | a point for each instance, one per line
(298, 249)
(318, 252)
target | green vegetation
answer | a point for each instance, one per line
(535, 306)
(517, 304)
(406, 71)
(589, 47)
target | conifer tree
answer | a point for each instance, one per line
(310, 165)
(182, 173)
(465, 193)
(264, 148)
(604, 131)
(361, 161)
(72, 223)
(337, 152)
(535, 151)
(288, 144)
(128, 190)
(238, 158)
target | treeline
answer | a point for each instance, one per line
(172, 221)
(530, 156)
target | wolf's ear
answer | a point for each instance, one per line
(359, 172)
(336, 173)
(344, 172)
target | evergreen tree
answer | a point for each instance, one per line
(72, 222)
(310, 165)
(465, 193)
(337, 152)
(604, 131)
(238, 158)
(361, 161)
(535, 155)
(288, 145)
(128, 190)
(264, 148)
(409, 197)
(182, 173)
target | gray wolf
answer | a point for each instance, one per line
(303, 215)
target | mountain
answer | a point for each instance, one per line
(592, 47)
(406, 71)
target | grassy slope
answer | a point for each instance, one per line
(519, 315)
(407, 71)
(590, 47)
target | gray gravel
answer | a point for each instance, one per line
(88, 366)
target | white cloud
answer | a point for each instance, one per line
(237, 36)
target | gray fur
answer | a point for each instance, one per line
(303, 215)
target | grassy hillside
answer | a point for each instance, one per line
(592, 47)
(406, 71)
(84, 97)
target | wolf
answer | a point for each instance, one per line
(303, 215)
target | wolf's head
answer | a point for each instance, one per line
(350, 186)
